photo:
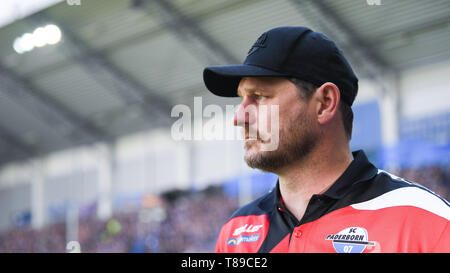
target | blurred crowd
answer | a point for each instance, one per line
(180, 222)
(174, 222)
(435, 178)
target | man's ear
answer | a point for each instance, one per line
(327, 97)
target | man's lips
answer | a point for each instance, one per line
(247, 138)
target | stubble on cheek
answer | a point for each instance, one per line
(296, 141)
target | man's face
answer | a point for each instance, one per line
(297, 131)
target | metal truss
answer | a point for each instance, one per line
(49, 110)
(134, 94)
(190, 33)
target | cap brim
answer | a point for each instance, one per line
(224, 80)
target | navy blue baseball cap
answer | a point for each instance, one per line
(296, 52)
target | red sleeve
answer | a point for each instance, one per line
(443, 244)
(221, 241)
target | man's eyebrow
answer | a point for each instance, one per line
(249, 91)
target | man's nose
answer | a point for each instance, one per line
(246, 113)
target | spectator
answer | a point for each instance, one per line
(183, 222)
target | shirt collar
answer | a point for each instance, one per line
(360, 169)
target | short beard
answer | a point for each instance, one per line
(296, 143)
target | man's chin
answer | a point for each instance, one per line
(257, 159)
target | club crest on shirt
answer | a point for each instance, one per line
(350, 240)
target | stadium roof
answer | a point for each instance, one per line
(121, 65)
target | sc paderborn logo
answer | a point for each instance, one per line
(258, 44)
(350, 240)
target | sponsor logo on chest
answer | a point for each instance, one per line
(245, 238)
(247, 229)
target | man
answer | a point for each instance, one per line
(327, 198)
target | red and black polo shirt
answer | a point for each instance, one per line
(365, 210)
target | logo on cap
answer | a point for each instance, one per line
(258, 44)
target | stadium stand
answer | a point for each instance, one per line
(186, 221)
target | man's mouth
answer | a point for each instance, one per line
(247, 136)
(258, 138)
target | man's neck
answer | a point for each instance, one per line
(313, 175)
